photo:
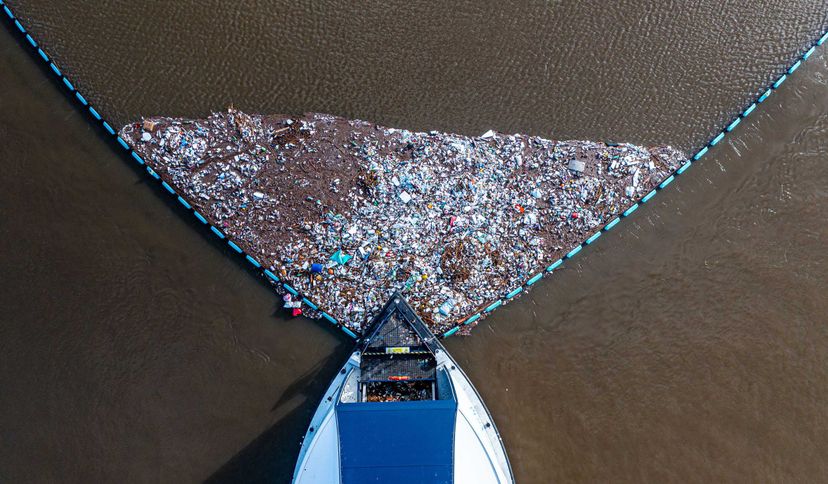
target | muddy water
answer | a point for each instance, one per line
(690, 344)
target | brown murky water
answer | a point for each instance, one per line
(690, 344)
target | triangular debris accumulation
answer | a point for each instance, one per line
(347, 211)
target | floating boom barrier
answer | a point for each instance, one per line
(96, 119)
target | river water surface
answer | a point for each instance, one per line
(690, 344)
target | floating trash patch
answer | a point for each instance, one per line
(340, 213)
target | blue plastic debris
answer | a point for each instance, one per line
(446, 307)
(340, 257)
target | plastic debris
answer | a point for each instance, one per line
(340, 257)
(453, 222)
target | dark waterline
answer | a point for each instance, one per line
(691, 344)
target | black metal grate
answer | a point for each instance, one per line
(395, 332)
(398, 367)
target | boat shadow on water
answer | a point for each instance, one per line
(271, 456)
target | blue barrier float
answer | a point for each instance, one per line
(472, 319)
(612, 224)
(236, 248)
(794, 67)
(572, 252)
(535, 279)
(554, 265)
(493, 306)
(630, 210)
(273, 276)
(718, 138)
(218, 232)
